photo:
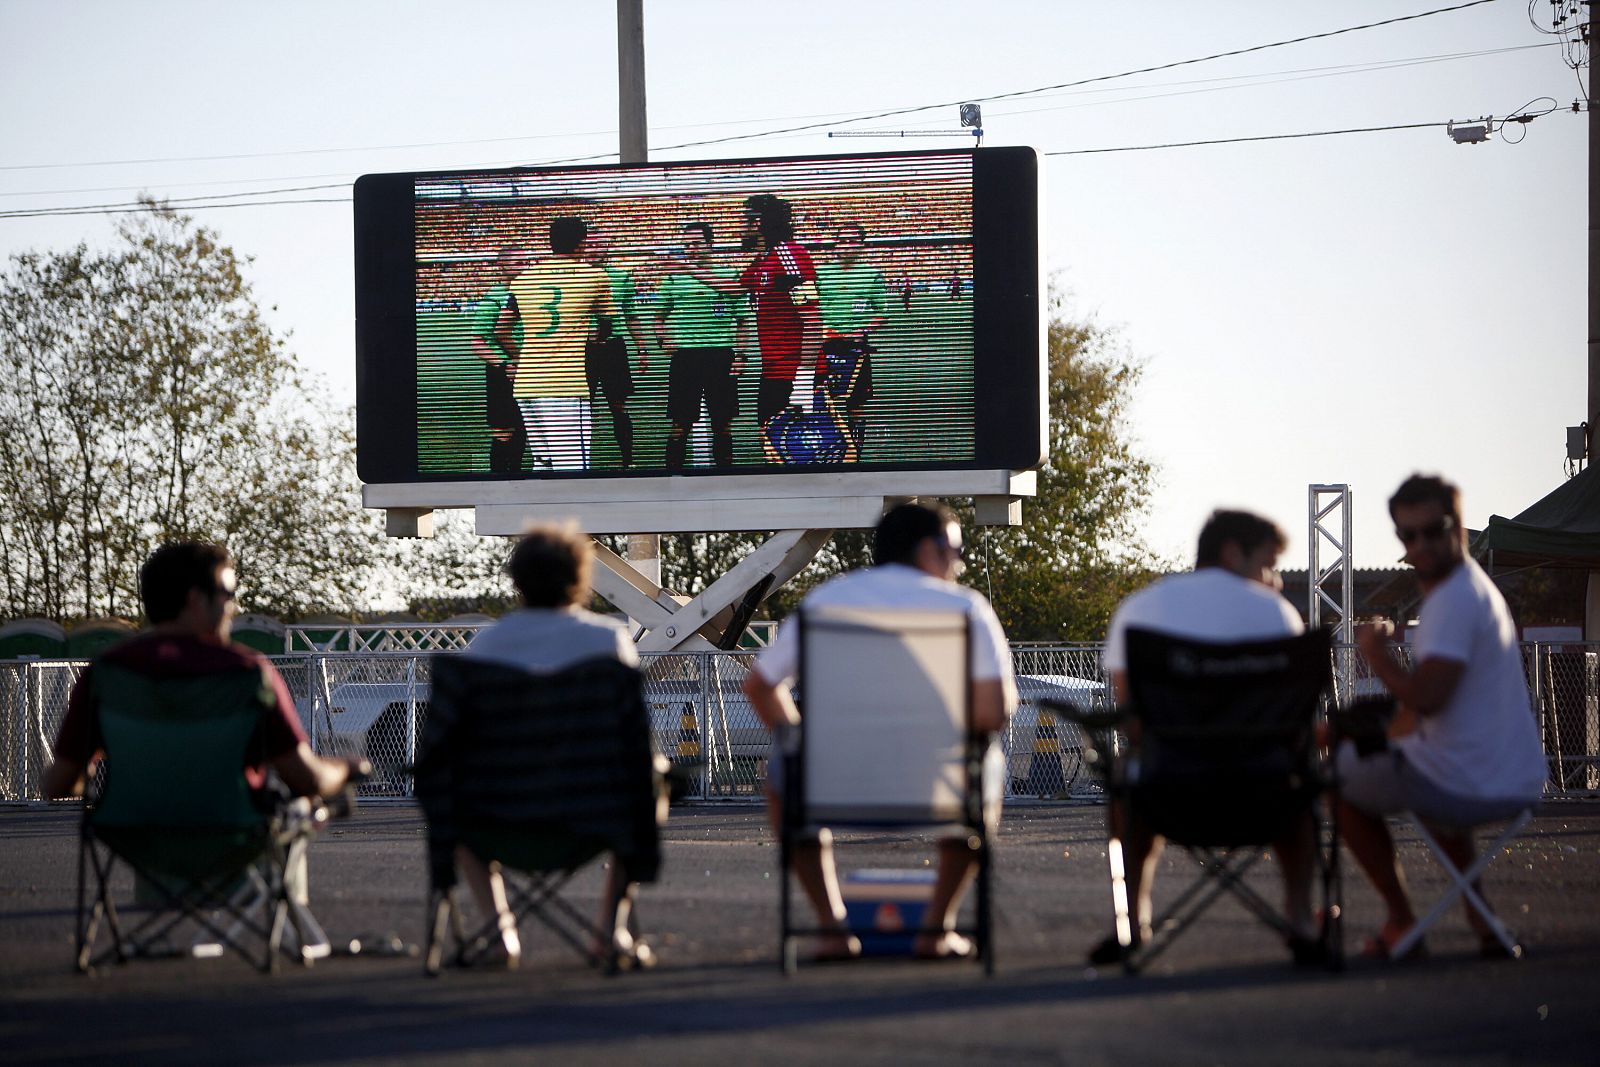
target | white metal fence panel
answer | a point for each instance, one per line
(374, 703)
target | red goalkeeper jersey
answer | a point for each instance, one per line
(783, 280)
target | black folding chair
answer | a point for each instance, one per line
(1220, 757)
(542, 774)
(885, 742)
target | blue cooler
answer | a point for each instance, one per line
(884, 908)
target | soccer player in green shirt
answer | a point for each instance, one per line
(697, 323)
(507, 437)
(853, 298)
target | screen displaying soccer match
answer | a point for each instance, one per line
(732, 317)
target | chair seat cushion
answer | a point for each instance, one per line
(530, 847)
(1241, 811)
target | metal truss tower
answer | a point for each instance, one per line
(1328, 508)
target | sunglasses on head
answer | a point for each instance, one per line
(1431, 532)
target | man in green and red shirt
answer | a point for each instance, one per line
(188, 589)
(698, 323)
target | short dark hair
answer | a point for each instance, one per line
(1241, 528)
(1428, 489)
(550, 567)
(775, 215)
(704, 228)
(905, 527)
(174, 569)
(567, 233)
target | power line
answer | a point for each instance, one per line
(1240, 140)
(1187, 87)
(195, 206)
(833, 120)
(165, 206)
(1051, 88)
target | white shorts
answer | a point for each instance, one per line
(560, 435)
(1385, 783)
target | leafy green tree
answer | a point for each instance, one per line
(142, 398)
(1060, 574)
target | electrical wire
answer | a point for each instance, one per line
(1241, 140)
(1522, 116)
(189, 205)
(1049, 88)
(82, 209)
(1194, 86)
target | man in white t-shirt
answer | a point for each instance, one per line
(1466, 747)
(1233, 594)
(917, 555)
(550, 632)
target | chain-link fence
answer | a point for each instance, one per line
(374, 704)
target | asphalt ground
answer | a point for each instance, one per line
(1224, 994)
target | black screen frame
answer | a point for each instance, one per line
(1008, 337)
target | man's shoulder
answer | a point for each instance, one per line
(1192, 597)
(893, 586)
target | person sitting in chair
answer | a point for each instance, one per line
(1233, 594)
(1466, 748)
(917, 555)
(189, 593)
(551, 631)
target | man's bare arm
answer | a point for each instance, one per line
(1425, 690)
(308, 774)
(991, 705)
(772, 703)
(63, 780)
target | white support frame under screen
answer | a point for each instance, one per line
(805, 515)
(712, 504)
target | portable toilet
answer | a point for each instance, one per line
(260, 632)
(93, 636)
(33, 639)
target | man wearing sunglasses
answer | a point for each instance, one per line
(189, 594)
(916, 551)
(1465, 745)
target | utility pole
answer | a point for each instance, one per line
(644, 550)
(1594, 244)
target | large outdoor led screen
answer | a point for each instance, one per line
(871, 312)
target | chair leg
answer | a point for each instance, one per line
(1461, 886)
(985, 906)
(442, 915)
(788, 950)
(1119, 893)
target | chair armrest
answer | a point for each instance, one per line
(1088, 720)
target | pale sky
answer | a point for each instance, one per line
(1333, 309)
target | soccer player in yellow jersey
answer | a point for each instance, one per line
(560, 299)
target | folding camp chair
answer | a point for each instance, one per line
(1461, 885)
(170, 802)
(885, 742)
(542, 774)
(1221, 759)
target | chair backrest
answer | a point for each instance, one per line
(568, 751)
(1219, 708)
(886, 716)
(176, 747)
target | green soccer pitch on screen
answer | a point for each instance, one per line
(871, 312)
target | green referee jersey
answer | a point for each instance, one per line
(623, 298)
(486, 312)
(697, 315)
(851, 296)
